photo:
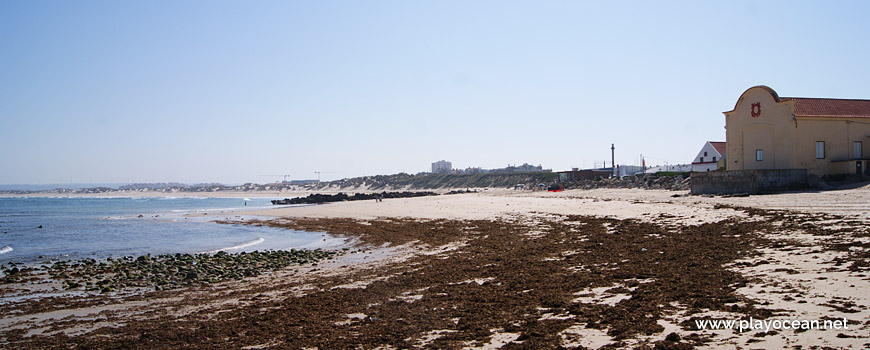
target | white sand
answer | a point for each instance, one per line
(617, 203)
(495, 204)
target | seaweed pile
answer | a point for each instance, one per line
(317, 198)
(535, 283)
(501, 278)
(508, 279)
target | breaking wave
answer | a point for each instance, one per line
(239, 246)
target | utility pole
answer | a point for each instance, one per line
(323, 172)
(613, 158)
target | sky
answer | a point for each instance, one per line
(235, 92)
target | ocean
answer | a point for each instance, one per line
(35, 229)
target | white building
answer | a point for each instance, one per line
(709, 157)
(628, 170)
(677, 168)
(441, 167)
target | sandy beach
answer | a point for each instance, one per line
(617, 268)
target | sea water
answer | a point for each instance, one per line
(37, 229)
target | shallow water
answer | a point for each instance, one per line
(37, 229)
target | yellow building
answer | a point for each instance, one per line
(822, 135)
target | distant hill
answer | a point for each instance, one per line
(439, 181)
(167, 185)
(49, 187)
(663, 180)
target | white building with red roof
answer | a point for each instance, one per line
(709, 158)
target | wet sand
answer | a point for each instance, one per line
(506, 269)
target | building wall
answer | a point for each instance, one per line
(839, 136)
(704, 167)
(832, 133)
(748, 181)
(789, 142)
(441, 167)
(586, 174)
(627, 170)
(771, 131)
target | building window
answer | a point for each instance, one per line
(759, 155)
(714, 159)
(705, 154)
(820, 149)
(702, 159)
(859, 150)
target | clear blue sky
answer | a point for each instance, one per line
(210, 91)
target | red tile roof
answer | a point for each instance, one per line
(719, 146)
(829, 107)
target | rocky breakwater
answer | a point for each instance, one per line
(317, 198)
(676, 182)
(162, 272)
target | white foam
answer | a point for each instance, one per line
(239, 246)
(5, 249)
(215, 209)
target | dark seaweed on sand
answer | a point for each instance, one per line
(499, 276)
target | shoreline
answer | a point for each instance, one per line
(222, 194)
(154, 194)
(98, 229)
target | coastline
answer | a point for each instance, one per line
(151, 194)
(805, 261)
(217, 194)
(54, 229)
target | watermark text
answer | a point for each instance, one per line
(751, 324)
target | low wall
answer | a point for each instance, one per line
(748, 181)
(586, 174)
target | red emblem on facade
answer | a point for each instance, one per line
(756, 109)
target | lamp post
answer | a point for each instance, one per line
(613, 158)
